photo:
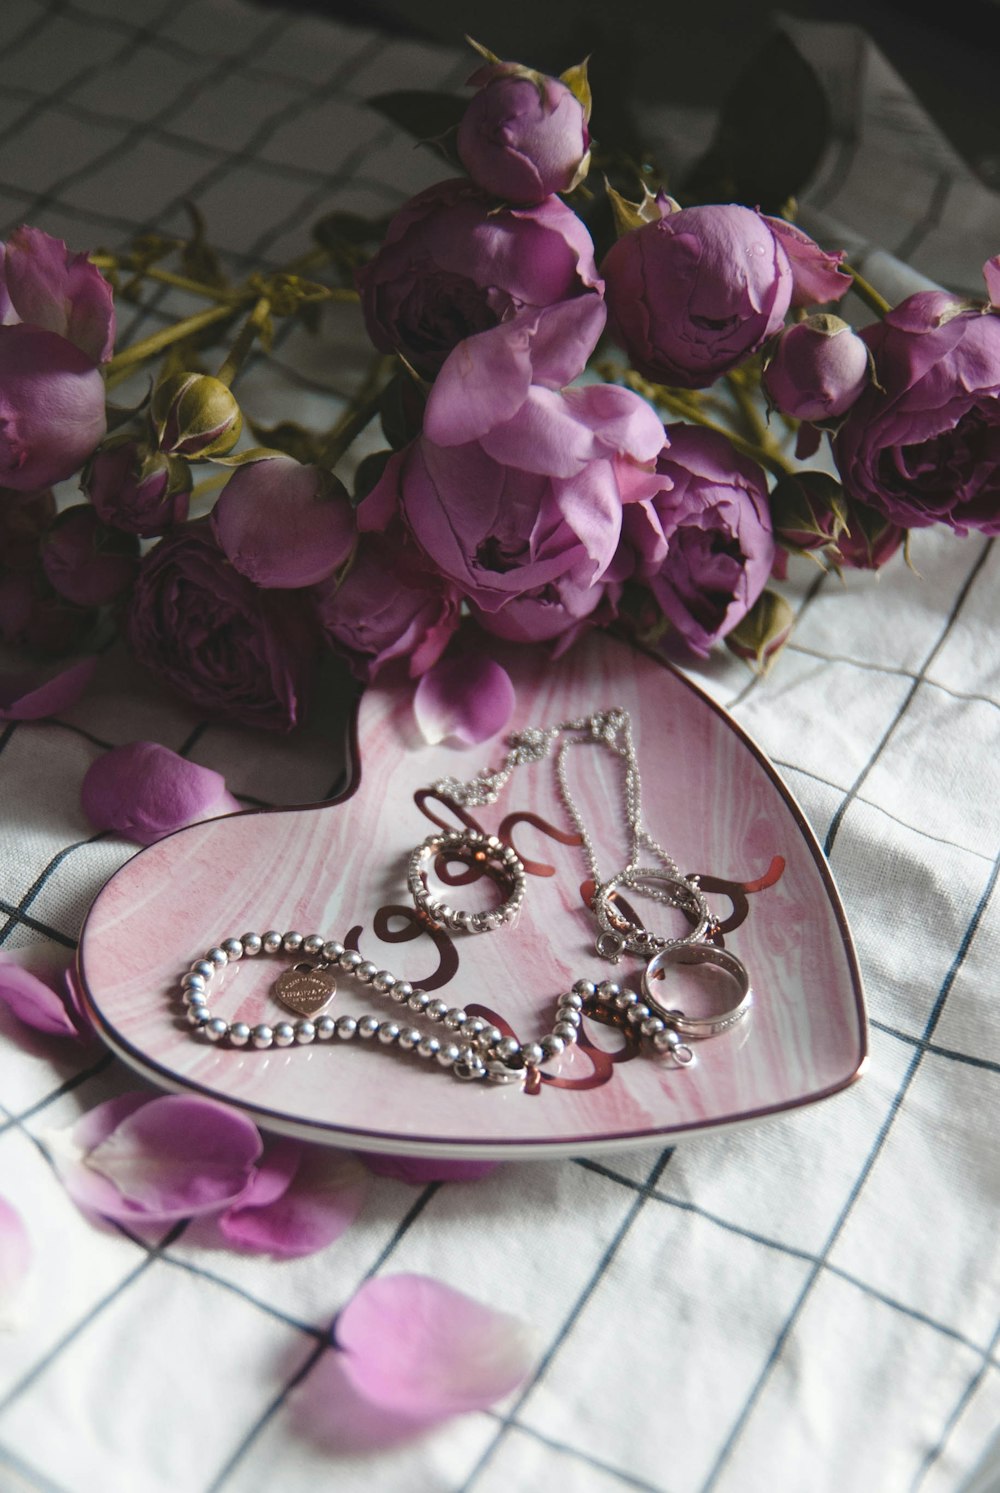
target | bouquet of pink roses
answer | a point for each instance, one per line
(569, 443)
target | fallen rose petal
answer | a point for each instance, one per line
(466, 698)
(144, 791)
(419, 1170)
(15, 1256)
(33, 998)
(145, 1159)
(421, 1348)
(283, 524)
(32, 697)
(298, 1202)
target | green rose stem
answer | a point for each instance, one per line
(249, 332)
(122, 364)
(359, 413)
(868, 293)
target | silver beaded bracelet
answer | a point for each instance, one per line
(474, 1050)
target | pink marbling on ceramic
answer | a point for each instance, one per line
(709, 795)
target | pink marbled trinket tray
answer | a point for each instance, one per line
(339, 869)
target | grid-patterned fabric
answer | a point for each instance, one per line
(810, 1303)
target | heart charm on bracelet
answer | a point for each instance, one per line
(305, 989)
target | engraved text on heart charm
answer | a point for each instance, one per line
(305, 990)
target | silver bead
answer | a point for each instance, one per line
(346, 1028)
(239, 1034)
(568, 1016)
(401, 992)
(262, 1036)
(447, 1054)
(232, 948)
(609, 990)
(367, 1027)
(388, 1032)
(271, 941)
(532, 1053)
(652, 1026)
(305, 1032)
(625, 998)
(508, 1047)
(291, 942)
(199, 1016)
(195, 998)
(216, 1029)
(492, 1035)
(332, 950)
(313, 945)
(428, 1047)
(350, 959)
(454, 1018)
(437, 1009)
(667, 1040)
(585, 990)
(552, 1046)
(566, 1030)
(383, 981)
(218, 957)
(252, 944)
(204, 968)
(408, 1038)
(444, 913)
(365, 971)
(325, 1028)
(419, 1001)
(192, 981)
(474, 1027)
(284, 1034)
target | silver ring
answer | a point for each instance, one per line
(699, 953)
(621, 934)
(486, 851)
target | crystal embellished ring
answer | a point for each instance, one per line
(486, 852)
(698, 953)
(620, 935)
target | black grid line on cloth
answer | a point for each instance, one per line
(850, 141)
(893, 670)
(19, 1120)
(870, 803)
(987, 1065)
(931, 219)
(950, 621)
(7, 733)
(17, 915)
(643, 1193)
(934, 1452)
(21, 919)
(27, 1474)
(136, 131)
(93, 1312)
(794, 1252)
(857, 1187)
(627, 1479)
(43, 103)
(271, 1409)
(34, 26)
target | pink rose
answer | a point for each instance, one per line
(454, 263)
(85, 561)
(703, 545)
(49, 287)
(923, 445)
(693, 293)
(136, 489)
(231, 649)
(51, 407)
(524, 135)
(389, 606)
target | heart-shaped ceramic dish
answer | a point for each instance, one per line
(339, 869)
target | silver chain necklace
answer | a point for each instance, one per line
(664, 882)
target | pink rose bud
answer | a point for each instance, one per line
(869, 540)
(524, 135)
(808, 511)
(763, 632)
(49, 287)
(817, 369)
(133, 488)
(87, 562)
(196, 415)
(51, 407)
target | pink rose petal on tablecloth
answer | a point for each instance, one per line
(145, 791)
(416, 1346)
(298, 1201)
(33, 696)
(34, 999)
(15, 1255)
(150, 1160)
(419, 1170)
(465, 697)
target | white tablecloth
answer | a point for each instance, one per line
(810, 1303)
